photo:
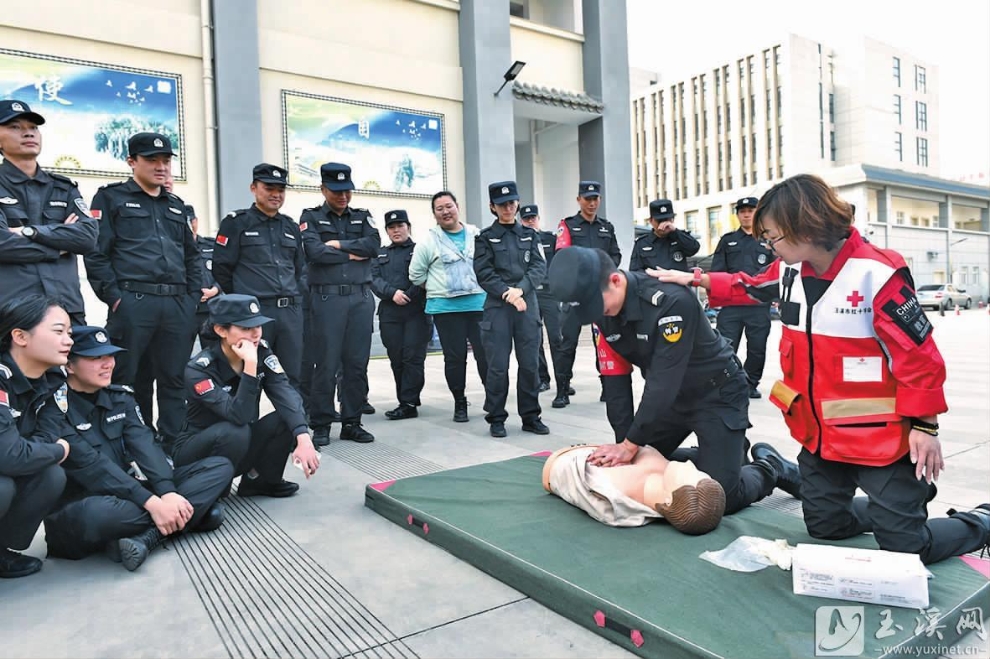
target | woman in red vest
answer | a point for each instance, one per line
(863, 379)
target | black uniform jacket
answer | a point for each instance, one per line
(507, 256)
(670, 252)
(215, 393)
(46, 262)
(23, 451)
(106, 433)
(662, 329)
(259, 255)
(142, 239)
(355, 230)
(390, 273)
(598, 234)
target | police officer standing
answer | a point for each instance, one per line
(121, 489)
(585, 229)
(147, 270)
(44, 222)
(693, 379)
(259, 252)
(666, 246)
(740, 251)
(340, 242)
(207, 246)
(509, 264)
(402, 321)
(549, 307)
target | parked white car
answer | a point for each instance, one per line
(934, 295)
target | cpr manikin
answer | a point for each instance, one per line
(631, 495)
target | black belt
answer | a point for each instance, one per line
(721, 378)
(154, 289)
(282, 302)
(338, 289)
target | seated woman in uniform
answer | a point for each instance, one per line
(631, 495)
(223, 390)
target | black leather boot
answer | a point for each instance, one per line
(561, 399)
(134, 550)
(460, 410)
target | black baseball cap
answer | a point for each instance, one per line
(589, 189)
(529, 210)
(92, 341)
(502, 191)
(12, 109)
(396, 217)
(336, 177)
(661, 209)
(271, 174)
(149, 144)
(236, 309)
(575, 279)
(748, 202)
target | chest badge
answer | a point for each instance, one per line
(678, 257)
(62, 398)
(761, 259)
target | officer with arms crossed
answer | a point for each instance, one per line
(44, 222)
(586, 229)
(34, 345)
(404, 326)
(122, 495)
(224, 385)
(549, 307)
(862, 377)
(666, 246)
(693, 380)
(340, 242)
(509, 264)
(148, 271)
(740, 251)
(259, 252)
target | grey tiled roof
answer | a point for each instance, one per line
(557, 97)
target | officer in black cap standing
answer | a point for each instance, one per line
(402, 321)
(207, 247)
(666, 246)
(549, 307)
(509, 264)
(44, 222)
(693, 379)
(121, 490)
(340, 242)
(148, 270)
(585, 229)
(260, 252)
(741, 251)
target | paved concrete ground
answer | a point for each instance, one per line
(321, 575)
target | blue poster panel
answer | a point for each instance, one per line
(391, 151)
(91, 110)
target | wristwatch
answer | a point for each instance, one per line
(29, 232)
(697, 277)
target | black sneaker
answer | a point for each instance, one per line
(251, 487)
(403, 411)
(460, 410)
(536, 426)
(787, 472)
(497, 429)
(570, 390)
(14, 565)
(367, 408)
(355, 433)
(544, 386)
(755, 393)
(321, 435)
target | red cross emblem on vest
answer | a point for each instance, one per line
(855, 298)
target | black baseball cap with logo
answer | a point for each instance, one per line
(270, 174)
(396, 217)
(236, 309)
(589, 189)
(748, 202)
(501, 192)
(529, 210)
(661, 209)
(13, 109)
(92, 341)
(149, 144)
(336, 177)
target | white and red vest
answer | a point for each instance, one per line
(838, 394)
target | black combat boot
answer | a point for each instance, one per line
(562, 399)
(786, 473)
(134, 550)
(460, 410)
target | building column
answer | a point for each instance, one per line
(985, 219)
(884, 205)
(238, 99)
(945, 213)
(489, 140)
(604, 147)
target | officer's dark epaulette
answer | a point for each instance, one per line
(264, 343)
(645, 235)
(362, 210)
(122, 388)
(112, 185)
(63, 179)
(174, 197)
(239, 211)
(5, 372)
(314, 208)
(651, 291)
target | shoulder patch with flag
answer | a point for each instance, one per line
(221, 240)
(302, 226)
(4, 400)
(203, 387)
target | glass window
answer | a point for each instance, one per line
(897, 108)
(922, 146)
(831, 141)
(831, 107)
(920, 82)
(713, 222)
(899, 146)
(691, 222)
(921, 115)
(897, 71)
(900, 217)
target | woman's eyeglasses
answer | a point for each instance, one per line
(769, 242)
